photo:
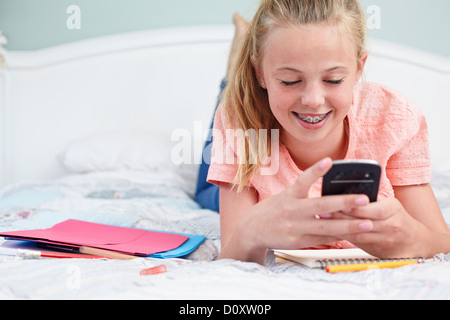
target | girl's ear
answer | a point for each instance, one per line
(258, 72)
(253, 60)
(361, 64)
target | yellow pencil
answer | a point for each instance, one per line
(368, 266)
(106, 253)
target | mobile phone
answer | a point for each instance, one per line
(353, 177)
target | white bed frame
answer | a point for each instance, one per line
(162, 80)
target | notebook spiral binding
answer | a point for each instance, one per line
(325, 263)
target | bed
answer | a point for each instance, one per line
(93, 131)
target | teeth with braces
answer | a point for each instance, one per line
(311, 119)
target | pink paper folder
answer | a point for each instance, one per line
(126, 240)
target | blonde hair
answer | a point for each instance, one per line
(246, 103)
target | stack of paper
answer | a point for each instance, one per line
(320, 258)
(139, 242)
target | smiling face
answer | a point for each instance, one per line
(309, 73)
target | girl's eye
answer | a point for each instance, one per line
(334, 81)
(290, 83)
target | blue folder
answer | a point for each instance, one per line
(187, 247)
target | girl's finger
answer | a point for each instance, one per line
(338, 228)
(330, 206)
(300, 188)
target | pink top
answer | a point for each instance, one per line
(383, 126)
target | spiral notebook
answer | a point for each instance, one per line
(323, 258)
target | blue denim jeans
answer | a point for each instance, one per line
(207, 194)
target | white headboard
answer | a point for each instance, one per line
(425, 79)
(151, 80)
(163, 80)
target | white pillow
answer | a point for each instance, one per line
(118, 151)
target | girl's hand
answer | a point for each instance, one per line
(291, 220)
(395, 233)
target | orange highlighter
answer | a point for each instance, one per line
(369, 266)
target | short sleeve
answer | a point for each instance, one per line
(410, 164)
(223, 167)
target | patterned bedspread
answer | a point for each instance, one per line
(161, 201)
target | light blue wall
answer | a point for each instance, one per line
(35, 24)
(424, 24)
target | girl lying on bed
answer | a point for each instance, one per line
(297, 74)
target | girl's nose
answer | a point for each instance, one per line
(312, 96)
